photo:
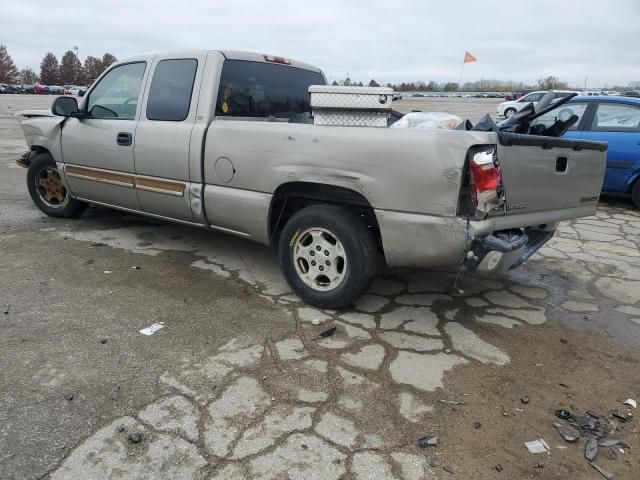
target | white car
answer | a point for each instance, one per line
(506, 109)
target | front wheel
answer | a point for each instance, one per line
(47, 190)
(328, 255)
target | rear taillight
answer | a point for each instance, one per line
(485, 180)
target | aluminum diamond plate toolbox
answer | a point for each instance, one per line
(350, 106)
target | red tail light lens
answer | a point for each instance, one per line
(485, 178)
(484, 174)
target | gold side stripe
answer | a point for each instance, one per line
(160, 185)
(97, 175)
(151, 184)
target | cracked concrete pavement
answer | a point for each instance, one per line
(234, 386)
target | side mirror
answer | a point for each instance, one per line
(64, 106)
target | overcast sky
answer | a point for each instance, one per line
(389, 41)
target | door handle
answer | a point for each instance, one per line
(125, 139)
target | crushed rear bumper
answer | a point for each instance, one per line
(505, 250)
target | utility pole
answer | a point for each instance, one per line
(585, 82)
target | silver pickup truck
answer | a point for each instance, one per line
(223, 140)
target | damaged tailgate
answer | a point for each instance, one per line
(544, 174)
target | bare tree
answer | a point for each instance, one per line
(107, 60)
(28, 76)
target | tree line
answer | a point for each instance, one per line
(68, 71)
(544, 83)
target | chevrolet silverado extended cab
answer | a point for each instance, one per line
(224, 140)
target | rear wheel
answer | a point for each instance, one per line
(48, 191)
(635, 193)
(328, 255)
(508, 112)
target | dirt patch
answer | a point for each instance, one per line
(588, 372)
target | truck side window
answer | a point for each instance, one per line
(116, 95)
(171, 87)
(257, 89)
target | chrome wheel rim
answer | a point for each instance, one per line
(50, 188)
(320, 259)
(508, 113)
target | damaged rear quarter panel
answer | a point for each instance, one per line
(405, 170)
(410, 177)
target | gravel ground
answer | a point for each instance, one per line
(234, 386)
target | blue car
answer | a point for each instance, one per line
(615, 120)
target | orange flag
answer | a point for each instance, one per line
(468, 58)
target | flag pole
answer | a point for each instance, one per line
(460, 79)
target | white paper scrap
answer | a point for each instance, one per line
(537, 446)
(150, 330)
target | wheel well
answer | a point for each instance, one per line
(294, 196)
(39, 149)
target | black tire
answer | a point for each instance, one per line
(42, 169)
(635, 193)
(507, 114)
(355, 239)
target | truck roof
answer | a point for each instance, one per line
(231, 55)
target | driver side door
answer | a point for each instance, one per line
(97, 150)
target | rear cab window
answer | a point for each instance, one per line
(257, 89)
(169, 96)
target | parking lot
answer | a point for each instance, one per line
(236, 384)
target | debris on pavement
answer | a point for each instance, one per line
(630, 401)
(537, 446)
(135, 437)
(315, 322)
(325, 334)
(619, 416)
(448, 469)
(107, 271)
(609, 442)
(565, 433)
(603, 471)
(135, 268)
(103, 341)
(151, 329)
(6, 309)
(69, 397)
(477, 425)
(524, 399)
(450, 402)
(591, 449)
(498, 468)
(563, 414)
(428, 441)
